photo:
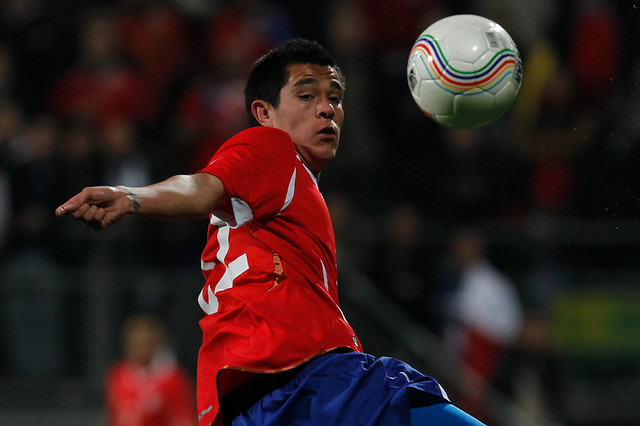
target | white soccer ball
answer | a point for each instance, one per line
(464, 71)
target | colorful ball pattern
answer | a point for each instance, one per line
(464, 71)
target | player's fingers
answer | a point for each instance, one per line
(100, 215)
(78, 212)
(90, 214)
(95, 217)
(100, 219)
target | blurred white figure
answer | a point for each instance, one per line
(486, 317)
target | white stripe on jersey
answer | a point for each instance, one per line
(234, 269)
(291, 190)
(210, 307)
(241, 212)
(324, 275)
(313, 177)
(207, 266)
(216, 221)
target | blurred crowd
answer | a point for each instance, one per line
(132, 91)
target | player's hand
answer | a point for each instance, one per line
(99, 206)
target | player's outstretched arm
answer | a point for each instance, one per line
(179, 197)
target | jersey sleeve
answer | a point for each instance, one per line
(255, 167)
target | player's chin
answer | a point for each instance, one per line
(321, 160)
(327, 147)
(327, 150)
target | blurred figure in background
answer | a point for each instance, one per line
(147, 386)
(211, 108)
(154, 38)
(100, 86)
(482, 315)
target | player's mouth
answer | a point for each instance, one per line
(328, 132)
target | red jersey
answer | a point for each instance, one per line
(271, 292)
(158, 395)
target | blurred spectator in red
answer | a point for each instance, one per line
(595, 51)
(147, 387)
(100, 86)
(154, 39)
(241, 32)
(563, 130)
(212, 108)
(209, 112)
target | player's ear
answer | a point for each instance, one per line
(262, 111)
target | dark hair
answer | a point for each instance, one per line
(270, 73)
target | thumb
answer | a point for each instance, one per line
(61, 210)
(87, 195)
(67, 208)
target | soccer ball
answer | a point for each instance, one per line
(464, 71)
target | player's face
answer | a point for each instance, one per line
(310, 110)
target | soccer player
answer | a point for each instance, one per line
(276, 347)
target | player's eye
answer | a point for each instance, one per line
(306, 97)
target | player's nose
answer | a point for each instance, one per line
(326, 109)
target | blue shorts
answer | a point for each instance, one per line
(349, 389)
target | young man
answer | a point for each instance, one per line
(146, 386)
(276, 347)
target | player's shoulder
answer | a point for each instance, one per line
(257, 147)
(262, 136)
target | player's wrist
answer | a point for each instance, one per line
(133, 206)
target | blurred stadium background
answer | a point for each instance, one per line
(132, 91)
